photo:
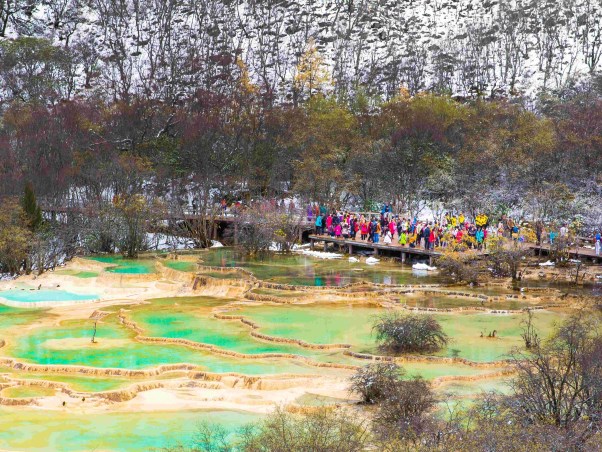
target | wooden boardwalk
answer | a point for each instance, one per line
(351, 246)
(574, 252)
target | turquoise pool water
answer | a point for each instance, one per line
(39, 346)
(44, 295)
(127, 266)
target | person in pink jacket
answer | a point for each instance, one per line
(392, 228)
(338, 231)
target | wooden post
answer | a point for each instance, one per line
(311, 244)
(350, 247)
(375, 251)
(431, 260)
(403, 257)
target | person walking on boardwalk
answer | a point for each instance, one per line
(403, 238)
(363, 229)
(480, 237)
(319, 225)
(432, 237)
(329, 224)
(377, 231)
(387, 237)
(426, 233)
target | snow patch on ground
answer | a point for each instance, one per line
(319, 254)
(166, 242)
(422, 266)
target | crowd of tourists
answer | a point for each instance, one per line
(395, 229)
(388, 228)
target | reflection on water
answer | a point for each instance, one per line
(303, 270)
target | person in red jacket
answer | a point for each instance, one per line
(459, 236)
(364, 230)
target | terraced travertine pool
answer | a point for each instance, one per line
(153, 322)
(70, 344)
(127, 266)
(352, 324)
(75, 382)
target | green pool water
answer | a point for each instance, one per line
(220, 275)
(127, 266)
(318, 323)
(460, 389)
(302, 270)
(43, 296)
(446, 302)
(77, 274)
(429, 371)
(17, 392)
(191, 318)
(10, 316)
(335, 323)
(77, 383)
(465, 330)
(36, 346)
(29, 429)
(183, 266)
(279, 293)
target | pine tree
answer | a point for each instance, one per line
(33, 212)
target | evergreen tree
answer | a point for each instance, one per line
(33, 212)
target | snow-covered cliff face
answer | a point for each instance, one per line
(169, 47)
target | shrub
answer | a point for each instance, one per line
(560, 380)
(15, 237)
(403, 411)
(505, 257)
(372, 382)
(403, 406)
(322, 430)
(400, 333)
(560, 251)
(262, 228)
(458, 265)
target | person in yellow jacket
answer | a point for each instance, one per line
(403, 238)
